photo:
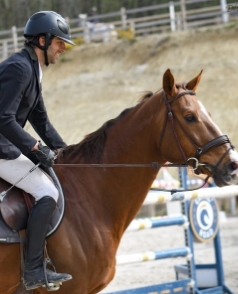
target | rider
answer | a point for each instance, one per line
(46, 33)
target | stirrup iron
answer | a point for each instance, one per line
(50, 286)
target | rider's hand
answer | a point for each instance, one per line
(45, 155)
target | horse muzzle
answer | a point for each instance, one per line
(224, 175)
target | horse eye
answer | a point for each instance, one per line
(190, 118)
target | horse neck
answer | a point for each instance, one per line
(133, 140)
(137, 134)
(119, 192)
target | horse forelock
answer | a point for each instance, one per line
(91, 148)
(181, 85)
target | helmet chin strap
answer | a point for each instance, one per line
(48, 39)
(45, 48)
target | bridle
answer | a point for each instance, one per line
(155, 165)
(199, 149)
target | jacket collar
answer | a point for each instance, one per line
(32, 53)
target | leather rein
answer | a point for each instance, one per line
(155, 165)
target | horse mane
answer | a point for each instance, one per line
(90, 149)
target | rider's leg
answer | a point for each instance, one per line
(36, 232)
(46, 195)
(36, 183)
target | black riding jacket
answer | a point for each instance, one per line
(21, 100)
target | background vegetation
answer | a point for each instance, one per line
(16, 12)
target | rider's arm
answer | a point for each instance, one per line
(14, 79)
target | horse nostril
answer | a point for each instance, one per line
(234, 165)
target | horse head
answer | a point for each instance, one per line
(197, 140)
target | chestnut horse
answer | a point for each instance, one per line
(107, 176)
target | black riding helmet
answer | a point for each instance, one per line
(49, 24)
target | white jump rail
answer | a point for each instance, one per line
(157, 197)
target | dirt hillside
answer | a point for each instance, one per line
(95, 82)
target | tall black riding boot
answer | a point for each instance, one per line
(34, 275)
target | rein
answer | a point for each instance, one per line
(154, 165)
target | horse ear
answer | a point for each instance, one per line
(168, 83)
(193, 84)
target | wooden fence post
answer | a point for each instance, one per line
(123, 17)
(183, 12)
(132, 25)
(14, 37)
(67, 20)
(225, 15)
(4, 47)
(172, 16)
(86, 30)
(83, 20)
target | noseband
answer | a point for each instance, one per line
(199, 150)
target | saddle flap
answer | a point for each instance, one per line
(13, 207)
(14, 211)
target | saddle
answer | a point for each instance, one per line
(15, 207)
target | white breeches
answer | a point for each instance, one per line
(36, 183)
